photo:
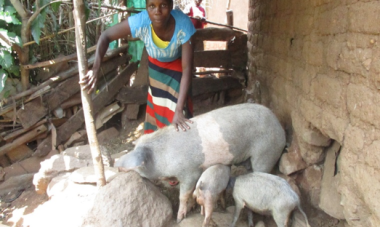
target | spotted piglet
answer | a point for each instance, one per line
(265, 194)
(210, 187)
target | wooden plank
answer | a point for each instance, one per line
(200, 86)
(209, 85)
(61, 76)
(142, 72)
(27, 137)
(212, 59)
(19, 153)
(31, 113)
(70, 87)
(57, 60)
(76, 121)
(213, 34)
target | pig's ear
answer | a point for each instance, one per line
(201, 185)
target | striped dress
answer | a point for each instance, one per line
(165, 68)
(164, 83)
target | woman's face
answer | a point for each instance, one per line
(198, 2)
(159, 11)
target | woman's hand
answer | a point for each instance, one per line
(89, 81)
(180, 122)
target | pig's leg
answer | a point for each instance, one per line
(238, 207)
(250, 218)
(209, 207)
(260, 165)
(191, 203)
(281, 218)
(202, 210)
(186, 189)
(222, 199)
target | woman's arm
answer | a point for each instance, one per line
(179, 120)
(115, 32)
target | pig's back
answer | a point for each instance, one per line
(215, 178)
(238, 131)
(264, 191)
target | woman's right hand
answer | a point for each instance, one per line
(89, 81)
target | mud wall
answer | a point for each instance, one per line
(316, 64)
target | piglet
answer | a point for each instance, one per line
(265, 194)
(210, 187)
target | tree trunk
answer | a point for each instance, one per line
(24, 57)
(79, 18)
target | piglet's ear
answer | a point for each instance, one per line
(201, 185)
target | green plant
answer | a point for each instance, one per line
(10, 27)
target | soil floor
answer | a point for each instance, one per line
(12, 213)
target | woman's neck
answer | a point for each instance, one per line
(165, 33)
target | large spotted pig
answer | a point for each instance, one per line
(225, 136)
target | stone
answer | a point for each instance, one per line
(310, 182)
(107, 134)
(292, 161)
(84, 152)
(16, 183)
(311, 154)
(62, 184)
(139, 203)
(132, 111)
(330, 199)
(86, 175)
(316, 138)
(52, 167)
(29, 165)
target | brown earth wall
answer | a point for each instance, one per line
(319, 60)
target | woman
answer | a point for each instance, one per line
(166, 34)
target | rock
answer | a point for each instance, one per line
(29, 165)
(129, 200)
(86, 175)
(315, 138)
(292, 161)
(16, 183)
(107, 135)
(330, 201)
(62, 184)
(84, 153)
(52, 167)
(310, 183)
(311, 154)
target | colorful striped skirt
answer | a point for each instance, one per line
(164, 84)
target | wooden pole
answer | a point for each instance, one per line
(223, 25)
(80, 39)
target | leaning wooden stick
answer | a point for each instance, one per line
(80, 38)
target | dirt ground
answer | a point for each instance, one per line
(12, 213)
